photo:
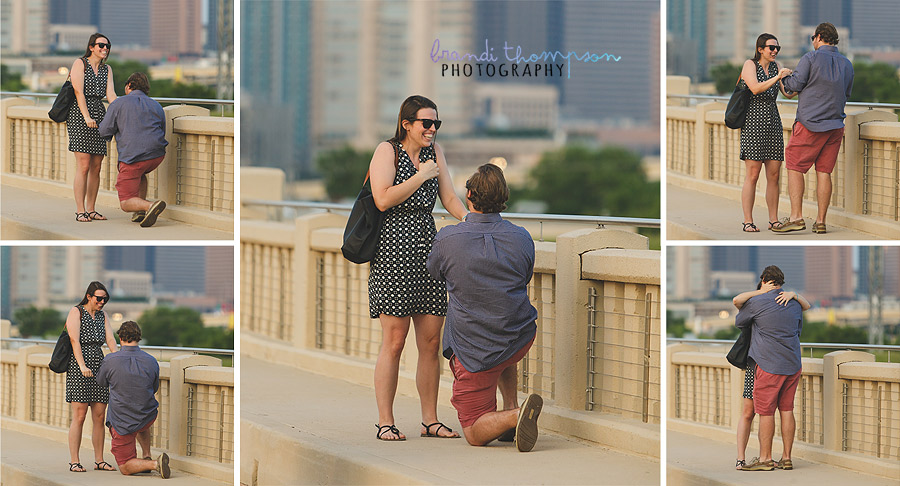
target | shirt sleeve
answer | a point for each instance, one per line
(797, 81)
(102, 377)
(107, 127)
(850, 84)
(433, 264)
(746, 315)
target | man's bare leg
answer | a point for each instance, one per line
(788, 426)
(508, 384)
(796, 186)
(134, 204)
(143, 438)
(823, 194)
(490, 426)
(134, 466)
(766, 434)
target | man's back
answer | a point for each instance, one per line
(139, 125)
(133, 378)
(775, 341)
(824, 78)
(487, 263)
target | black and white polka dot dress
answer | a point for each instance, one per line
(762, 137)
(749, 377)
(92, 335)
(399, 283)
(81, 138)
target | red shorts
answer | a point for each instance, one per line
(475, 394)
(806, 148)
(123, 446)
(128, 183)
(771, 391)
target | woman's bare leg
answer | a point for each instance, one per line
(748, 192)
(773, 175)
(428, 368)
(79, 412)
(387, 367)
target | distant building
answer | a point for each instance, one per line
(128, 284)
(790, 259)
(687, 272)
(24, 26)
(126, 23)
(70, 37)
(875, 23)
(729, 284)
(829, 273)
(176, 27)
(687, 40)
(180, 270)
(75, 12)
(220, 273)
(133, 258)
(734, 259)
(510, 107)
(44, 275)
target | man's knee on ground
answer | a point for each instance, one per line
(468, 433)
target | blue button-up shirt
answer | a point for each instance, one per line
(775, 332)
(823, 78)
(139, 125)
(133, 379)
(487, 263)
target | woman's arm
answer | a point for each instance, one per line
(73, 326)
(110, 85)
(448, 196)
(748, 74)
(787, 94)
(381, 175)
(77, 76)
(110, 340)
(741, 299)
(785, 297)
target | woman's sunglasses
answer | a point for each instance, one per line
(101, 298)
(773, 48)
(427, 123)
(102, 45)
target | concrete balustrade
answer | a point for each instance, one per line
(196, 179)
(596, 291)
(195, 422)
(847, 407)
(703, 155)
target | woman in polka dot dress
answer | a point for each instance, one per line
(92, 79)
(408, 173)
(762, 139)
(88, 327)
(747, 414)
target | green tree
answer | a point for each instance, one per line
(165, 326)
(343, 170)
(727, 333)
(34, 322)
(820, 332)
(724, 76)
(10, 81)
(608, 181)
(675, 327)
(123, 69)
(876, 82)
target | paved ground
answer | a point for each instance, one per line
(333, 421)
(31, 460)
(29, 215)
(693, 215)
(698, 460)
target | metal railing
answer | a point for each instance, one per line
(49, 342)
(807, 346)
(725, 98)
(221, 103)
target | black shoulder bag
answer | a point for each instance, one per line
(63, 103)
(740, 352)
(59, 360)
(736, 111)
(364, 225)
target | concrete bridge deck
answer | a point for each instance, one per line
(696, 460)
(695, 214)
(320, 430)
(32, 460)
(32, 215)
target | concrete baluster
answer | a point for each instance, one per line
(702, 139)
(23, 380)
(831, 394)
(5, 105)
(671, 396)
(178, 399)
(854, 170)
(167, 178)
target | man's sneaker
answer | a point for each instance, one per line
(756, 465)
(508, 436)
(162, 466)
(798, 225)
(138, 216)
(785, 464)
(526, 427)
(152, 213)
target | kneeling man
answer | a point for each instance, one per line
(487, 263)
(139, 125)
(133, 379)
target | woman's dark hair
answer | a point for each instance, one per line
(488, 190)
(761, 43)
(93, 287)
(129, 332)
(827, 33)
(139, 81)
(92, 41)
(772, 274)
(408, 111)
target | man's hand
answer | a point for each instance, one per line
(785, 297)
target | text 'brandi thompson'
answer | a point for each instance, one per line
(512, 54)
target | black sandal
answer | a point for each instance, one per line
(739, 464)
(103, 466)
(82, 218)
(382, 429)
(437, 432)
(75, 466)
(753, 228)
(775, 225)
(98, 217)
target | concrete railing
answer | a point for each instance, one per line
(196, 178)
(196, 407)
(866, 195)
(847, 407)
(596, 291)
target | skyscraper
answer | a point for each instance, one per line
(687, 272)
(687, 41)
(874, 23)
(790, 259)
(24, 26)
(829, 273)
(75, 12)
(180, 269)
(220, 272)
(126, 22)
(734, 259)
(176, 27)
(44, 275)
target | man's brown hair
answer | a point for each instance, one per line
(139, 81)
(488, 190)
(129, 332)
(827, 33)
(772, 274)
